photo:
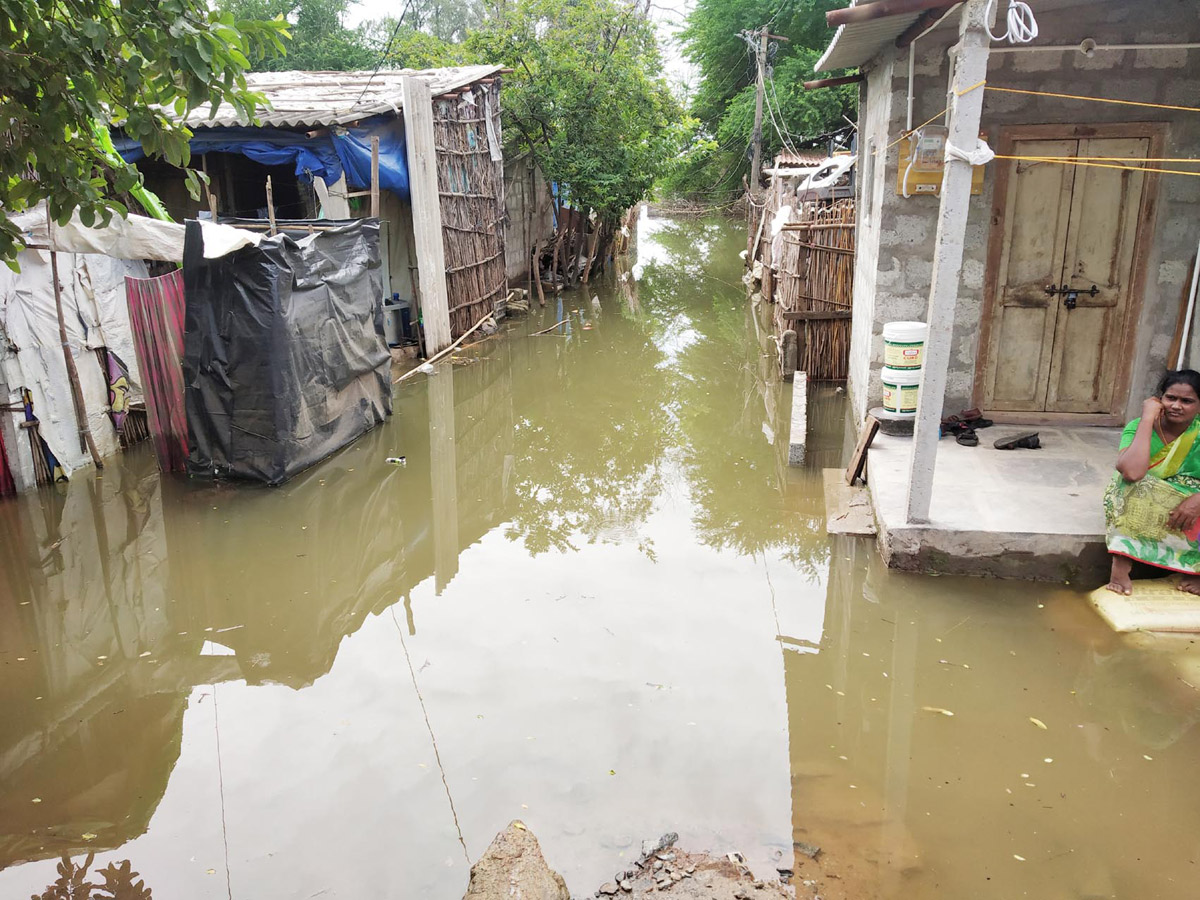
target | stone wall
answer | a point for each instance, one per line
(896, 287)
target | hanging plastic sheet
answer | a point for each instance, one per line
(156, 312)
(284, 354)
(324, 156)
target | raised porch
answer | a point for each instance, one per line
(1031, 514)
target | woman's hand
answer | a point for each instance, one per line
(1184, 516)
(1152, 408)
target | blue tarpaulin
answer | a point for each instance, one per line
(340, 150)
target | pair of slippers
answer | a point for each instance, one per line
(963, 426)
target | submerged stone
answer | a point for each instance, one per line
(513, 866)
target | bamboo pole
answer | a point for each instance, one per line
(85, 434)
(450, 349)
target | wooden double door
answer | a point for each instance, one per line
(1064, 271)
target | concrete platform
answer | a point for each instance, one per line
(1032, 514)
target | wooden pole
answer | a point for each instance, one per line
(970, 70)
(832, 82)
(85, 433)
(375, 177)
(271, 205)
(866, 12)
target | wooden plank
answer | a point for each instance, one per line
(1155, 605)
(271, 206)
(847, 509)
(858, 461)
(816, 315)
(427, 212)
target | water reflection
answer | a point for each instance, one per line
(595, 598)
(909, 801)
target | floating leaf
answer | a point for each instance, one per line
(937, 709)
(1038, 722)
(88, 836)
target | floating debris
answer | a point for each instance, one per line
(1038, 722)
(937, 709)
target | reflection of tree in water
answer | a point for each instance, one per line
(735, 473)
(72, 883)
(589, 465)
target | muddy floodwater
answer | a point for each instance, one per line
(595, 599)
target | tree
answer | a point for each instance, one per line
(724, 99)
(586, 98)
(70, 67)
(319, 39)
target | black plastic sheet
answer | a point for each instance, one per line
(284, 354)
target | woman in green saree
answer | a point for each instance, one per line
(1152, 507)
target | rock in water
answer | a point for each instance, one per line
(513, 866)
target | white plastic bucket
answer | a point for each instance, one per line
(904, 344)
(900, 387)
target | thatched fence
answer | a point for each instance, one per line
(466, 130)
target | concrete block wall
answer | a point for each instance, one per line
(900, 264)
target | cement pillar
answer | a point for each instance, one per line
(443, 467)
(427, 212)
(966, 105)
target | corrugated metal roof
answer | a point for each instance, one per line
(315, 99)
(792, 158)
(853, 45)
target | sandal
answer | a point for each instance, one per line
(1027, 441)
(968, 438)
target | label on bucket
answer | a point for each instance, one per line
(903, 356)
(900, 398)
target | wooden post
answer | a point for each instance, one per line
(375, 177)
(970, 70)
(427, 211)
(271, 205)
(85, 433)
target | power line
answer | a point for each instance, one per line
(383, 56)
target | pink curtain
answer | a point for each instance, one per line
(156, 313)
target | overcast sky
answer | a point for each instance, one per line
(668, 15)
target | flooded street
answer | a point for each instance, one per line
(595, 599)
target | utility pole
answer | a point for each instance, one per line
(760, 53)
(758, 40)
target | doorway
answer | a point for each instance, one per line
(1065, 271)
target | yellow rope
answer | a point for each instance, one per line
(1094, 99)
(937, 115)
(1147, 159)
(1096, 165)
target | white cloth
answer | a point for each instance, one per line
(980, 155)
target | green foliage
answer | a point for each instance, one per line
(724, 99)
(67, 67)
(319, 40)
(586, 98)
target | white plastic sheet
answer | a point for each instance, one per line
(135, 237)
(96, 315)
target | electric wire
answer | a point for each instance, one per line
(383, 56)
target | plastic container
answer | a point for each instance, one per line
(900, 388)
(904, 344)
(394, 313)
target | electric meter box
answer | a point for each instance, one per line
(923, 161)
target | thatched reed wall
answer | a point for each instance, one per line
(471, 184)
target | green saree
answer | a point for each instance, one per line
(1136, 511)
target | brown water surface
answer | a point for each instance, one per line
(595, 599)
